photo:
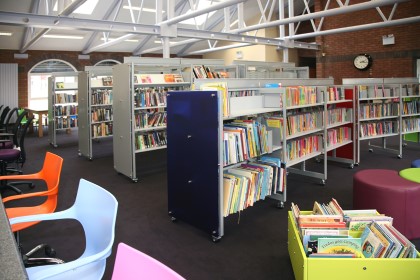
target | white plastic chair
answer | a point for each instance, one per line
(131, 264)
(96, 209)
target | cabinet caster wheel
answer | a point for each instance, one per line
(79, 154)
(135, 180)
(399, 156)
(323, 182)
(50, 252)
(356, 164)
(351, 166)
(370, 150)
(215, 238)
(90, 159)
(280, 205)
(173, 219)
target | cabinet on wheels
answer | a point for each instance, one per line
(139, 110)
(95, 108)
(62, 104)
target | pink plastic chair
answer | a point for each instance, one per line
(131, 264)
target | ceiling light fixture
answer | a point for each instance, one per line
(128, 40)
(58, 36)
(3, 33)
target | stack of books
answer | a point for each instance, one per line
(328, 231)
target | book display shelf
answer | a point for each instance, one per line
(386, 108)
(308, 268)
(206, 69)
(340, 125)
(205, 129)
(62, 104)
(410, 110)
(139, 108)
(95, 107)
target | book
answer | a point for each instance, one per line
(310, 242)
(372, 247)
(349, 245)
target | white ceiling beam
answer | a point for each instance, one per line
(67, 11)
(116, 6)
(240, 45)
(357, 28)
(68, 23)
(109, 43)
(34, 10)
(325, 13)
(196, 13)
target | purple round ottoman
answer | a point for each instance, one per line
(390, 194)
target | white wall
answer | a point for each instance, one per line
(9, 84)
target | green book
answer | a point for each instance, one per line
(348, 245)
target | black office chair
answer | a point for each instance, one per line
(9, 121)
(9, 139)
(16, 157)
(3, 116)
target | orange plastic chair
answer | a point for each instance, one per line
(50, 173)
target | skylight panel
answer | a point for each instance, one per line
(199, 20)
(85, 9)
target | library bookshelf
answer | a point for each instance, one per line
(386, 107)
(139, 108)
(62, 104)
(196, 124)
(95, 107)
(306, 268)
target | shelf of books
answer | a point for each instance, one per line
(231, 130)
(410, 110)
(62, 104)
(139, 109)
(226, 162)
(95, 107)
(207, 69)
(385, 109)
(331, 243)
(340, 125)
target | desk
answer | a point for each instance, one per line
(41, 112)
(11, 264)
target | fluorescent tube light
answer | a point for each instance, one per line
(3, 33)
(57, 36)
(128, 40)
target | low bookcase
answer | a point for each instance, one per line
(306, 268)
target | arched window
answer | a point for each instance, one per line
(38, 80)
(107, 62)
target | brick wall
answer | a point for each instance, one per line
(396, 60)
